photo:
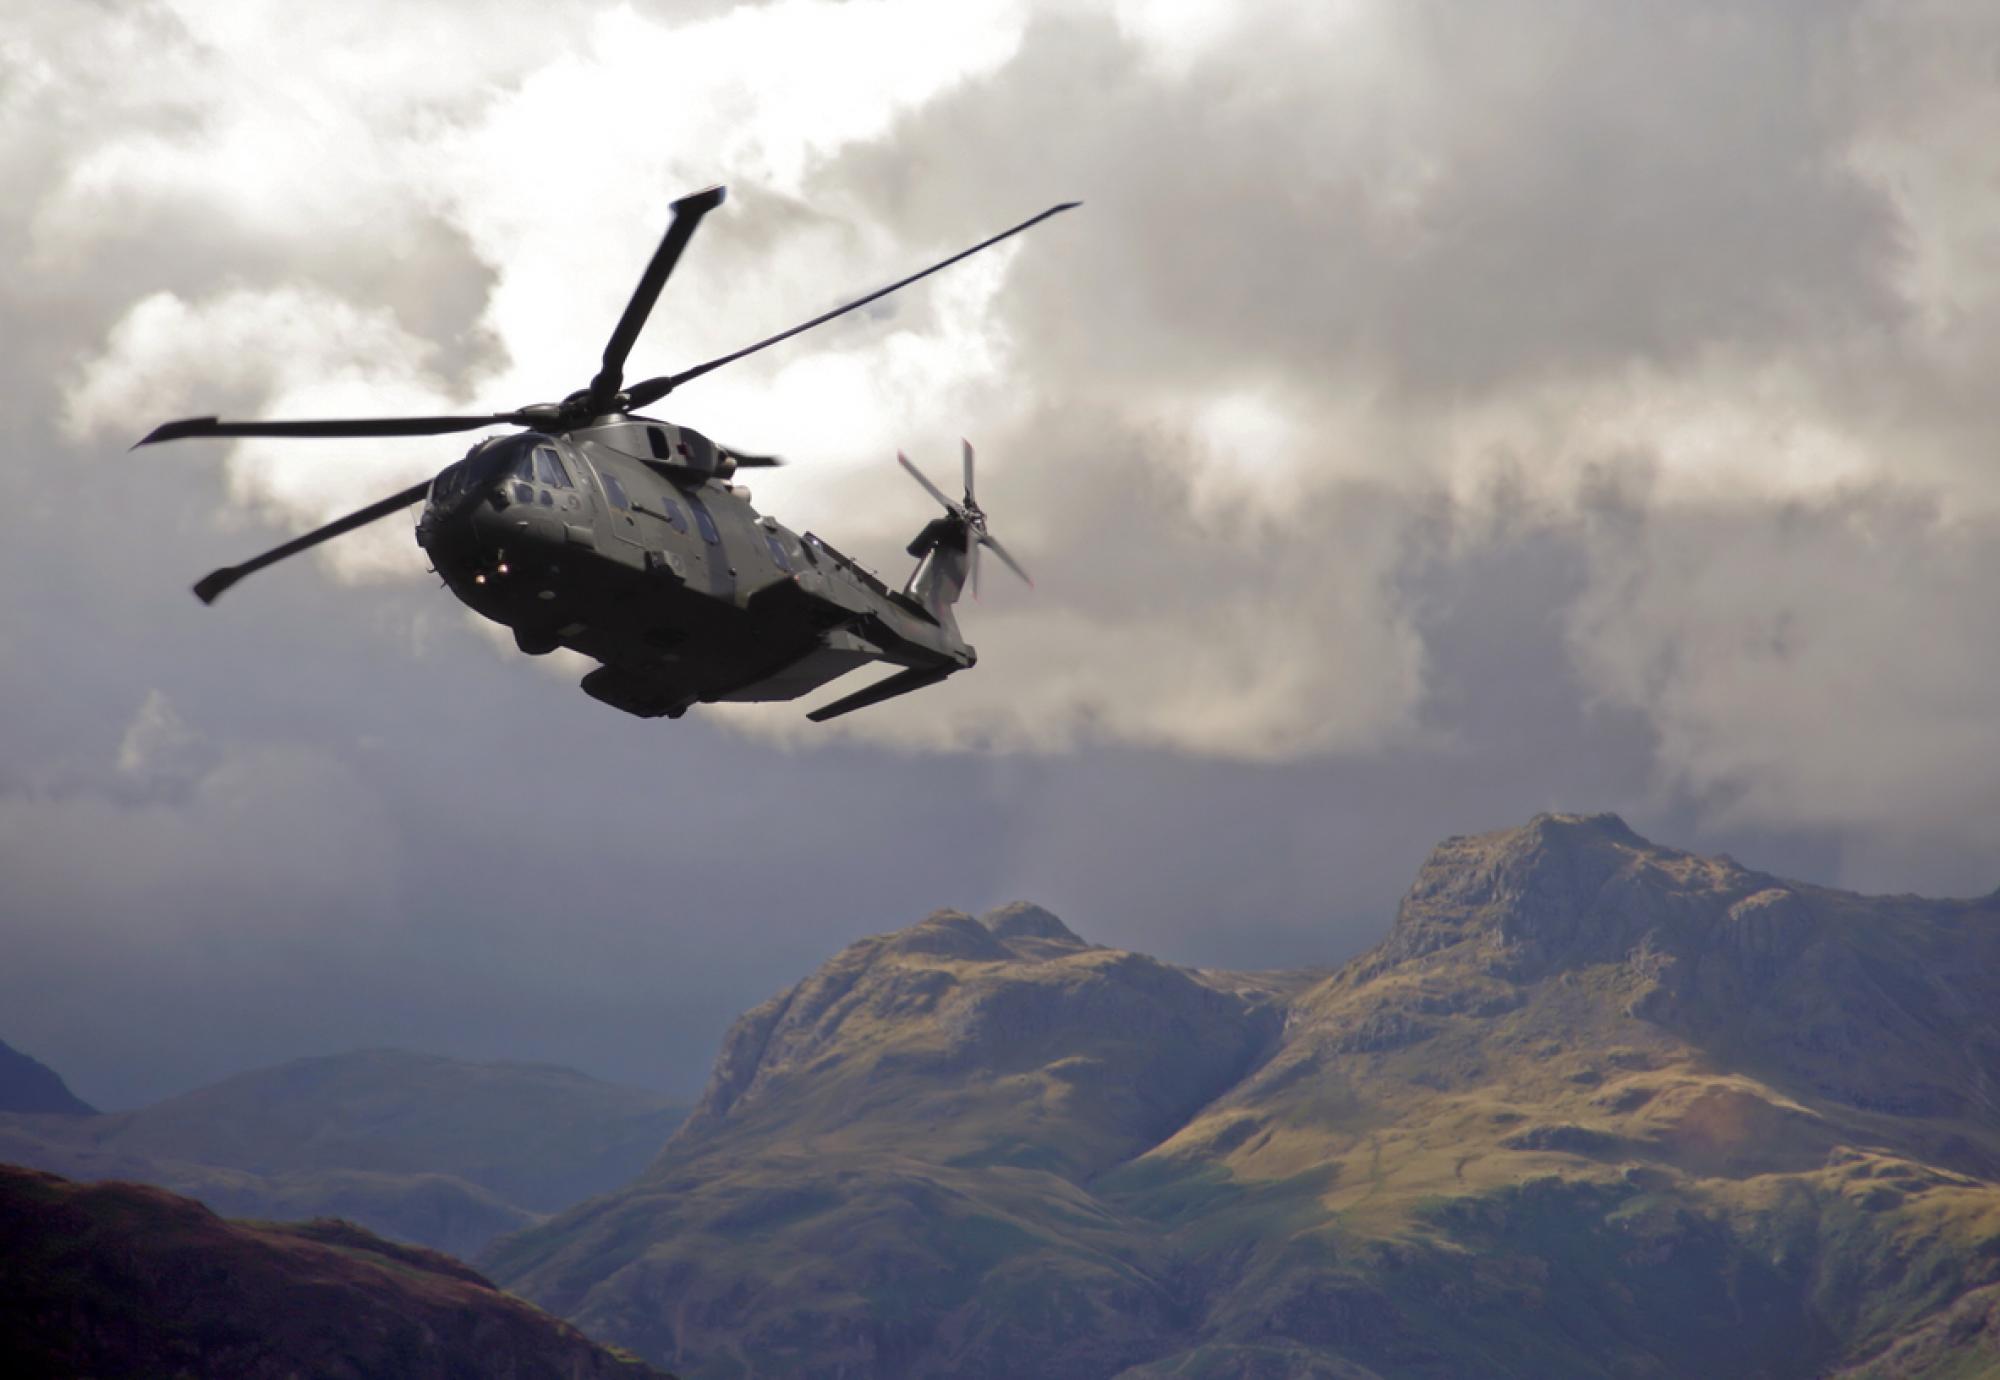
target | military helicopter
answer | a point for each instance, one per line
(621, 537)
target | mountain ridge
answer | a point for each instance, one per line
(31, 1087)
(440, 1152)
(1581, 1075)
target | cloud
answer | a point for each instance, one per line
(1314, 305)
(277, 839)
(1818, 664)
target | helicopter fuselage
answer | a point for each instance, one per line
(626, 542)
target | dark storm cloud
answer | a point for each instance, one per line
(1446, 197)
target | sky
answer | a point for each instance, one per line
(1435, 414)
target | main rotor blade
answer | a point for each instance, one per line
(968, 470)
(688, 212)
(923, 479)
(368, 426)
(753, 462)
(215, 582)
(652, 390)
(1001, 551)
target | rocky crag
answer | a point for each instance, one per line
(1594, 1108)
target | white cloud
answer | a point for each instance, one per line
(158, 743)
(288, 352)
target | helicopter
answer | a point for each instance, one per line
(622, 537)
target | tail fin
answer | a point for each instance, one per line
(944, 562)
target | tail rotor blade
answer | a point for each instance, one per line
(1001, 552)
(215, 582)
(933, 490)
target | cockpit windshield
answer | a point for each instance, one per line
(484, 463)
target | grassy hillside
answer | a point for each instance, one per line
(1595, 1108)
(441, 1152)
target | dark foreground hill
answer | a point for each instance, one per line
(119, 1280)
(440, 1152)
(1594, 1109)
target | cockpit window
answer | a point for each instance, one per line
(446, 484)
(524, 465)
(549, 468)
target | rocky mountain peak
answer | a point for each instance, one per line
(1003, 1014)
(1563, 890)
(1026, 920)
(947, 934)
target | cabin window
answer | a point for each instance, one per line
(706, 524)
(778, 553)
(549, 468)
(614, 491)
(672, 510)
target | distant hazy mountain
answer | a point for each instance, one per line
(114, 1280)
(440, 1152)
(27, 1085)
(1594, 1109)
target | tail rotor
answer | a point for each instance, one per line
(961, 532)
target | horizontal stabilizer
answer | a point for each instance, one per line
(902, 683)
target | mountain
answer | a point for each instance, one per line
(27, 1085)
(1594, 1108)
(440, 1152)
(120, 1280)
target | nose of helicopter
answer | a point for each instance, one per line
(459, 487)
(481, 525)
(451, 527)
